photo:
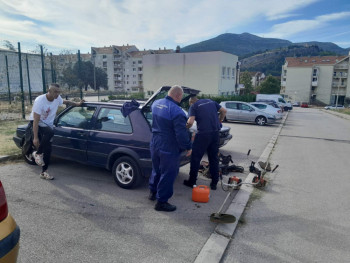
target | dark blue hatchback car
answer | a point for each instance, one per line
(98, 134)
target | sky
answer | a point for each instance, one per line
(79, 25)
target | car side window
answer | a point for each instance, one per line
(232, 105)
(77, 117)
(112, 120)
(245, 107)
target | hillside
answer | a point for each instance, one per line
(238, 44)
(270, 62)
(245, 43)
(264, 54)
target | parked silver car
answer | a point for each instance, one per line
(277, 112)
(242, 111)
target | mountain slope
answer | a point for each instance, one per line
(243, 44)
(238, 44)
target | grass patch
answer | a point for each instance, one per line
(345, 111)
(7, 130)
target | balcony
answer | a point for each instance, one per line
(283, 83)
(341, 66)
(314, 83)
(335, 84)
(342, 91)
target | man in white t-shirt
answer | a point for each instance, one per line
(42, 117)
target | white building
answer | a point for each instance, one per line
(316, 80)
(210, 72)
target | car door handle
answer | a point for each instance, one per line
(81, 133)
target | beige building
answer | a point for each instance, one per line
(316, 80)
(210, 72)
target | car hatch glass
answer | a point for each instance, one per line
(77, 117)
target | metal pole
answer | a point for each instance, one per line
(52, 74)
(30, 89)
(79, 69)
(8, 78)
(98, 91)
(336, 102)
(21, 78)
(43, 69)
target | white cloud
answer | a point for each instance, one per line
(287, 29)
(147, 24)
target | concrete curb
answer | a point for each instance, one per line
(340, 115)
(10, 157)
(214, 248)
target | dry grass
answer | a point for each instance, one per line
(13, 111)
(7, 130)
(345, 111)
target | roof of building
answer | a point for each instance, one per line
(103, 50)
(124, 48)
(311, 61)
(139, 54)
(162, 51)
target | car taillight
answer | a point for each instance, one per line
(3, 203)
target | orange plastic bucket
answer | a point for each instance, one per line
(201, 194)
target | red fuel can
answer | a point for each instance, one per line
(201, 194)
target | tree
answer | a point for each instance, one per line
(69, 77)
(9, 45)
(246, 80)
(270, 86)
(101, 78)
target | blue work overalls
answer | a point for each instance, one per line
(169, 139)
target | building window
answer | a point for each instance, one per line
(223, 72)
(140, 61)
(140, 69)
(134, 82)
(334, 74)
(104, 56)
(104, 64)
(228, 73)
(233, 73)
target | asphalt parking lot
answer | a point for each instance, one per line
(83, 216)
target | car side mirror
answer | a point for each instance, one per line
(251, 110)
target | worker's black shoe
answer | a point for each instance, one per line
(164, 207)
(188, 183)
(152, 196)
(213, 186)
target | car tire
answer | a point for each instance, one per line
(28, 157)
(126, 172)
(260, 120)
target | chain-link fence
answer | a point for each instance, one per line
(27, 69)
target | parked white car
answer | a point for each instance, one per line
(333, 107)
(245, 112)
(277, 112)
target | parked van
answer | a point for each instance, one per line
(275, 97)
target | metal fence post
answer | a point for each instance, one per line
(43, 69)
(21, 78)
(29, 87)
(8, 78)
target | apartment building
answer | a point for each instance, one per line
(316, 80)
(212, 73)
(34, 69)
(123, 65)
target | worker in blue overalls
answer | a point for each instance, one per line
(207, 139)
(169, 138)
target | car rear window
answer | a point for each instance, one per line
(112, 120)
